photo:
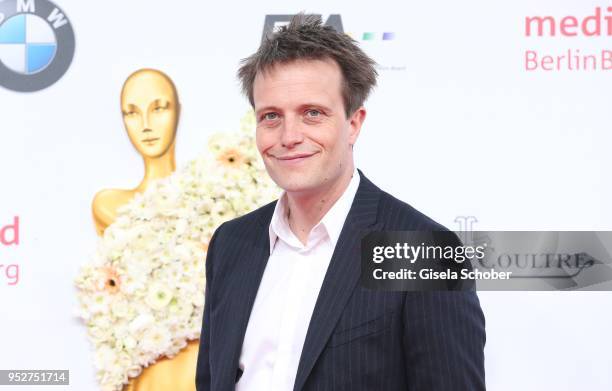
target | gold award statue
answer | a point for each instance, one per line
(150, 107)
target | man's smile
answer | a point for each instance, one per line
(294, 158)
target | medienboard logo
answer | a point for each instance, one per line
(36, 44)
(546, 32)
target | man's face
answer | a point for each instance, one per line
(303, 134)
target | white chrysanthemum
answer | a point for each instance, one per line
(142, 294)
(158, 296)
(155, 338)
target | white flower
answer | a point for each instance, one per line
(134, 370)
(159, 296)
(154, 339)
(120, 308)
(105, 356)
(98, 303)
(141, 322)
(129, 343)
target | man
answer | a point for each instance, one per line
(284, 309)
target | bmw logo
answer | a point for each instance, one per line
(36, 44)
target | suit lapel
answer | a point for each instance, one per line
(341, 277)
(236, 317)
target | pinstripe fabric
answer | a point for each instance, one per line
(358, 339)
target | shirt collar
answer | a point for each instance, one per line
(333, 221)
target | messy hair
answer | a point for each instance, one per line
(306, 38)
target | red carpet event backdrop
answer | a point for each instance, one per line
(507, 103)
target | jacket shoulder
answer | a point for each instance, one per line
(249, 222)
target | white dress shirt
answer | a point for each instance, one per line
(287, 295)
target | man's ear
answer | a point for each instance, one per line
(355, 122)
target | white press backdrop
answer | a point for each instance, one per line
(518, 150)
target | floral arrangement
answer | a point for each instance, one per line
(142, 295)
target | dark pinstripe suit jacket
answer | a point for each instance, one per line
(358, 339)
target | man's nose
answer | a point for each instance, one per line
(291, 133)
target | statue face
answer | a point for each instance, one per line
(150, 109)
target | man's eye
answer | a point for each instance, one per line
(313, 113)
(270, 116)
(129, 113)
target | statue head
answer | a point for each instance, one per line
(150, 108)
